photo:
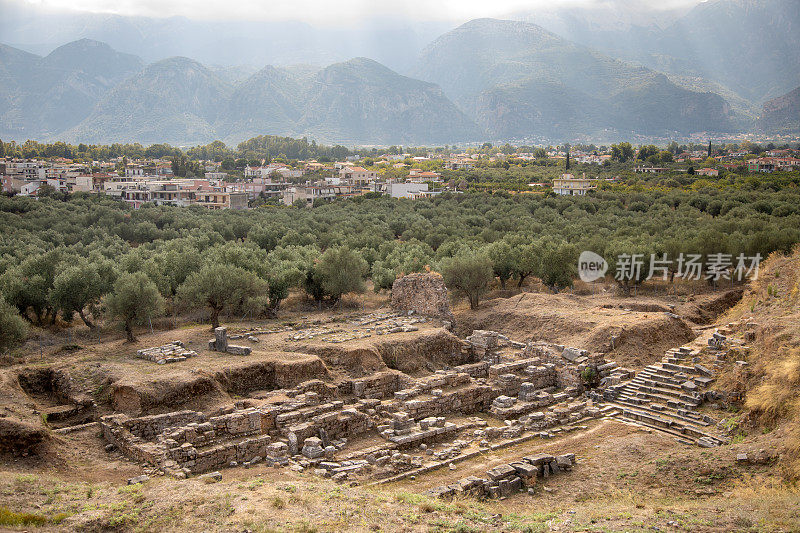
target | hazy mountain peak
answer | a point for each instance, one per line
(520, 81)
(95, 58)
(177, 62)
(10, 53)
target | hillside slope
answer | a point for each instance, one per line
(87, 92)
(769, 317)
(749, 45)
(782, 114)
(175, 100)
(271, 100)
(361, 100)
(744, 47)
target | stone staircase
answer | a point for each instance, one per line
(612, 374)
(665, 396)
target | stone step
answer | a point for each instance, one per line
(651, 395)
(611, 365)
(700, 417)
(663, 378)
(659, 421)
(666, 374)
(680, 414)
(661, 387)
(667, 397)
(678, 368)
(649, 382)
(629, 399)
(703, 381)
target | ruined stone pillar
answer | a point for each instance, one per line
(221, 339)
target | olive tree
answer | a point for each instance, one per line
(219, 286)
(339, 271)
(13, 329)
(526, 261)
(503, 260)
(135, 300)
(557, 265)
(468, 274)
(80, 286)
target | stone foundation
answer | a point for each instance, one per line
(530, 390)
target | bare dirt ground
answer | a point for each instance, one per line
(640, 327)
(626, 478)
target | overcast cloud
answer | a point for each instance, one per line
(330, 11)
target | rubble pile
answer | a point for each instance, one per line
(504, 480)
(174, 352)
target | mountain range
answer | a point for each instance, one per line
(516, 78)
(747, 46)
(42, 96)
(486, 79)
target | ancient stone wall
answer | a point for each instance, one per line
(422, 293)
(467, 400)
(378, 385)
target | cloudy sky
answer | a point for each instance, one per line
(329, 11)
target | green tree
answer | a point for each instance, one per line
(220, 286)
(401, 257)
(503, 260)
(135, 300)
(647, 151)
(340, 270)
(622, 152)
(79, 286)
(170, 268)
(13, 329)
(557, 265)
(526, 261)
(28, 286)
(468, 274)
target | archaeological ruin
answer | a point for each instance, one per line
(388, 425)
(387, 396)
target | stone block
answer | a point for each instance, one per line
(501, 472)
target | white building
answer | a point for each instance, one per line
(569, 185)
(407, 190)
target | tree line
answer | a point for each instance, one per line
(84, 257)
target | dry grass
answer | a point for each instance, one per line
(772, 379)
(302, 503)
